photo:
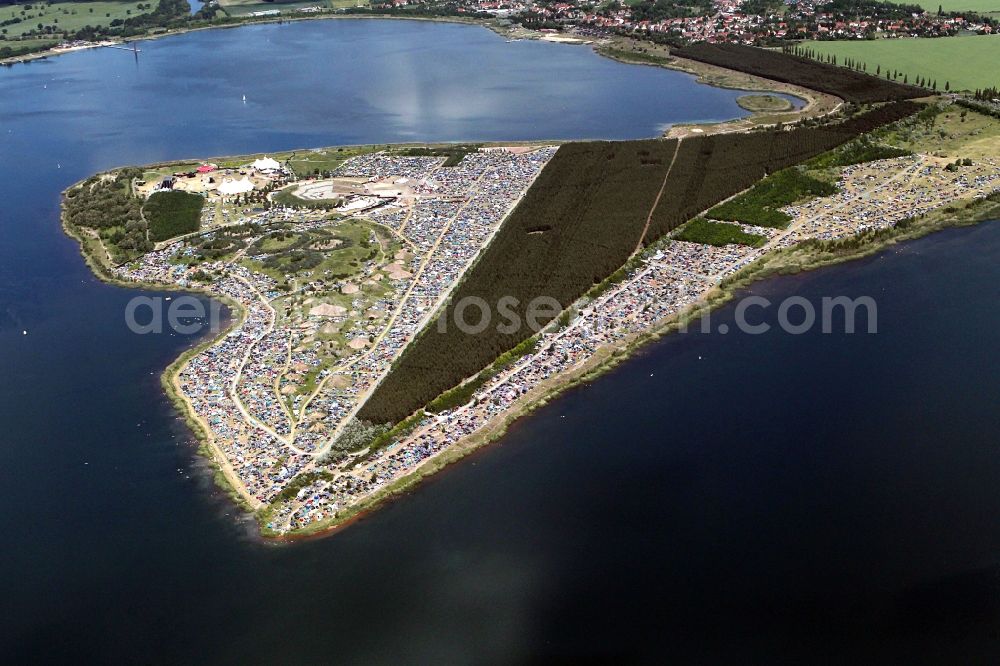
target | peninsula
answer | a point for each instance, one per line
(346, 377)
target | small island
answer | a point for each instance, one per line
(764, 103)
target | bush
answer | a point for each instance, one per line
(760, 206)
(172, 214)
(718, 233)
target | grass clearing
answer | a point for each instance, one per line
(862, 149)
(64, 17)
(966, 63)
(955, 132)
(316, 162)
(246, 7)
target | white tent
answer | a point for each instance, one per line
(266, 164)
(230, 186)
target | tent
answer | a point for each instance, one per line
(206, 168)
(266, 164)
(230, 186)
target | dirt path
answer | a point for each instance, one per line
(656, 202)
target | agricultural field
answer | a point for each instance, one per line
(965, 63)
(978, 6)
(60, 19)
(844, 83)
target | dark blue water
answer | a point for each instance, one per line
(758, 498)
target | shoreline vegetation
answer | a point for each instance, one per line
(804, 256)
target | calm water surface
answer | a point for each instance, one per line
(718, 498)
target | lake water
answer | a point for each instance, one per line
(722, 498)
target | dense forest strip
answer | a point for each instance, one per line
(173, 213)
(578, 223)
(849, 85)
(659, 196)
(713, 168)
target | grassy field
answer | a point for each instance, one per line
(65, 17)
(953, 133)
(978, 6)
(244, 7)
(966, 63)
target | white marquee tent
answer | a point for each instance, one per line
(266, 164)
(229, 187)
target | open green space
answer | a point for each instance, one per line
(29, 27)
(287, 197)
(246, 7)
(952, 132)
(321, 161)
(334, 252)
(862, 149)
(454, 154)
(106, 207)
(64, 17)
(978, 6)
(964, 63)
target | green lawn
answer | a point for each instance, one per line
(244, 7)
(980, 6)
(68, 16)
(966, 63)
